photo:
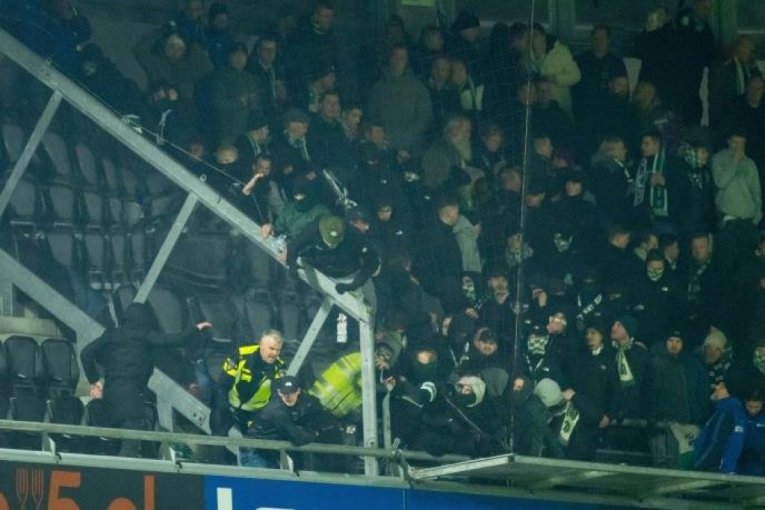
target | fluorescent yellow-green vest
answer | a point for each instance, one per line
(339, 386)
(239, 371)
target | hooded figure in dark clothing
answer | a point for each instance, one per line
(125, 356)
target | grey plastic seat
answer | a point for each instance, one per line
(169, 308)
(219, 310)
(118, 246)
(114, 209)
(14, 141)
(95, 245)
(62, 200)
(156, 183)
(58, 152)
(94, 208)
(136, 250)
(112, 177)
(129, 182)
(61, 245)
(24, 203)
(86, 163)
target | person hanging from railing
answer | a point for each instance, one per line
(124, 354)
(245, 389)
(339, 253)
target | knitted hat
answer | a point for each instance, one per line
(465, 20)
(630, 324)
(296, 115)
(548, 392)
(716, 338)
(257, 121)
(332, 229)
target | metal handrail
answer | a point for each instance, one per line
(263, 444)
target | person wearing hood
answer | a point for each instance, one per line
(592, 399)
(465, 32)
(694, 202)
(125, 357)
(401, 102)
(460, 421)
(677, 394)
(553, 60)
(537, 408)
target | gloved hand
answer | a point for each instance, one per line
(342, 288)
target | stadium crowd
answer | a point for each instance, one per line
(556, 263)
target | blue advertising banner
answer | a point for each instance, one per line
(225, 493)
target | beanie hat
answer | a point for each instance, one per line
(332, 229)
(630, 324)
(548, 392)
(716, 338)
(257, 121)
(465, 20)
(296, 115)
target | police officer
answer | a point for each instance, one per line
(246, 385)
(292, 416)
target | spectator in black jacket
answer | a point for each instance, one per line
(124, 354)
(631, 362)
(593, 394)
(292, 416)
(337, 252)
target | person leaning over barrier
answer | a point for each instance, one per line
(245, 388)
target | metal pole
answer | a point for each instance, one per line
(310, 337)
(368, 394)
(167, 248)
(29, 149)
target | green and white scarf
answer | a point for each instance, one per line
(625, 372)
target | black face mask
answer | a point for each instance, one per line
(464, 400)
(425, 371)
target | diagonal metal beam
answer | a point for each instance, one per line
(86, 327)
(310, 337)
(29, 149)
(167, 248)
(174, 171)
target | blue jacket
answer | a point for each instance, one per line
(733, 437)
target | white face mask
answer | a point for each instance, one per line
(655, 274)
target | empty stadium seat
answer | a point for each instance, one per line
(112, 178)
(60, 205)
(86, 164)
(25, 366)
(118, 268)
(25, 203)
(94, 210)
(169, 308)
(61, 245)
(58, 153)
(136, 251)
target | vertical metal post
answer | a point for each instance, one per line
(310, 337)
(167, 248)
(29, 149)
(7, 297)
(368, 394)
